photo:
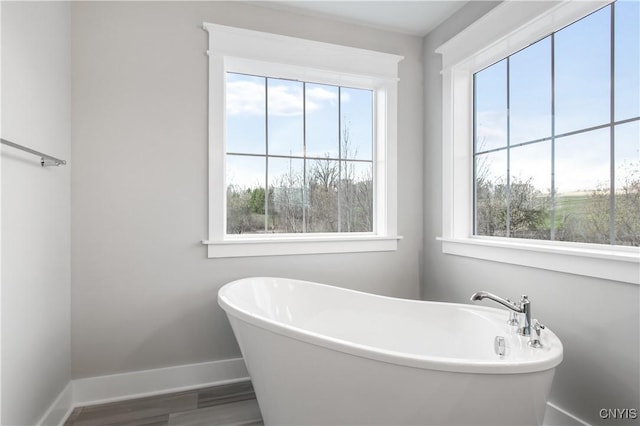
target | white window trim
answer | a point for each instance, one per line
(237, 50)
(507, 28)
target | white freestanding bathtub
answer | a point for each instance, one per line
(323, 355)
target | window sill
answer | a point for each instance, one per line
(616, 263)
(296, 245)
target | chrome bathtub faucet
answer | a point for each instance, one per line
(523, 307)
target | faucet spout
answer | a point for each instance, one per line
(524, 307)
(504, 302)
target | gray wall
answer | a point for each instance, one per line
(144, 293)
(35, 209)
(597, 320)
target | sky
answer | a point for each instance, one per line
(582, 63)
(258, 107)
(582, 75)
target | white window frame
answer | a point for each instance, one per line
(252, 52)
(508, 28)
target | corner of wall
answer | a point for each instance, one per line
(34, 208)
(138, 384)
(1, 3)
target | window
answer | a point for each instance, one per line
(540, 134)
(556, 135)
(299, 157)
(302, 146)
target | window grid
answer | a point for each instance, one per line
(304, 157)
(553, 137)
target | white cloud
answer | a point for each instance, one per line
(246, 97)
(285, 100)
(319, 94)
(491, 131)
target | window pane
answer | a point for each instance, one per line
(491, 194)
(582, 73)
(284, 109)
(490, 89)
(286, 186)
(582, 175)
(627, 59)
(530, 93)
(627, 149)
(530, 191)
(356, 197)
(245, 194)
(322, 120)
(245, 109)
(322, 187)
(356, 133)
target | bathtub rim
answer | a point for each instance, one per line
(453, 365)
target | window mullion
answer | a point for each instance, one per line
(508, 218)
(339, 158)
(552, 227)
(304, 154)
(612, 155)
(266, 156)
(475, 157)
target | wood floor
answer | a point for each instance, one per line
(233, 404)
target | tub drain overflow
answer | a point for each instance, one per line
(499, 346)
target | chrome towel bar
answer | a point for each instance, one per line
(45, 160)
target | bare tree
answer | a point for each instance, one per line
(355, 191)
(335, 196)
(628, 207)
(322, 213)
(286, 203)
(238, 211)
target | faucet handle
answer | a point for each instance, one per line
(535, 342)
(513, 320)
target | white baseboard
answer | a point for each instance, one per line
(136, 384)
(117, 387)
(556, 416)
(60, 409)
